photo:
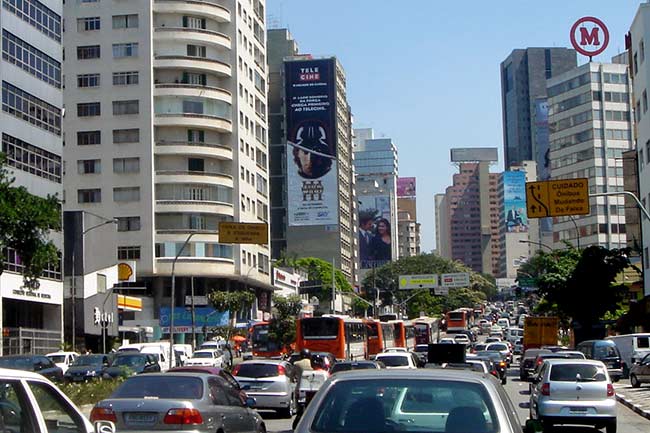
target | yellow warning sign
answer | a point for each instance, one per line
(243, 233)
(557, 198)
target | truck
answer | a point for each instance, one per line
(540, 331)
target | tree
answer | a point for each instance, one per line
(282, 327)
(233, 302)
(26, 222)
(321, 270)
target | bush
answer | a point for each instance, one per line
(90, 392)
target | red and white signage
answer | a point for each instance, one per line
(589, 36)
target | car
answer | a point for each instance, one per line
(479, 365)
(477, 347)
(422, 352)
(640, 372)
(527, 362)
(605, 351)
(493, 339)
(499, 361)
(357, 365)
(217, 371)
(503, 348)
(310, 382)
(271, 382)
(31, 403)
(461, 339)
(178, 401)
(321, 360)
(395, 349)
(491, 365)
(471, 335)
(554, 348)
(398, 360)
(129, 363)
(40, 364)
(541, 357)
(206, 357)
(440, 400)
(519, 347)
(447, 340)
(62, 359)
(503, 322)
(87, 367)
(573, 391)
(221, 345)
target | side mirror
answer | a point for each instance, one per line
(250, 402)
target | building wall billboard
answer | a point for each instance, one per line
(312, 181)
(406, 187)
(514, 201)
(375, 231)
(203, 316)
(543, 151)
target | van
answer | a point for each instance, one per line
(633, 347)
(606, 352)
(514, 334)
(158, 348)
(503, 322)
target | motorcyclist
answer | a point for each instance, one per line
(304, 362)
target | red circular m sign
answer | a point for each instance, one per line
(589, 36)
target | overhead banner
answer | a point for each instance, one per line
(514, 201)
(405, 187)
(311, 142)
(375, 231)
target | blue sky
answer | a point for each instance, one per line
(426, 72)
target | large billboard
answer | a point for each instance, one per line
(375, 231)
(312, 183)
(543, 156)
(514, 201)
(405, 187)
(471, 154)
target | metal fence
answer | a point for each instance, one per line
(19, 341)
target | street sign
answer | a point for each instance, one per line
(198, 300)
(552, 198)
(589, 36)
(441, 291)
(457, 279)
(310, 287)
(526, 282)
(410, 282)
(243, 233)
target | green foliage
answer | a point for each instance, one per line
(92, 391)
(26, 221)
(462, 297)
(232, 302)
(282, 328)
(321, 270)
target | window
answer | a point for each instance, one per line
(126, 165)
(195, 107)
(31, 159)
(196, 51)
(85, 138)
(123, 194)
(647, 151)
(641, 50)
(38, 15)
(195, 136)
(55, 409)
(128, 253)
(644, 98)
(125, 21)
(88, 24)
(195, 164)
(193, 22)
(31, 109)
(126, 136)
(125, 78)
(88, 109)
(89, 195)
(126, 107)
(89, 166)
(88, 80)
(30, 59)
(128, 224)
(125, 50)
(196, 79)
(88, 52)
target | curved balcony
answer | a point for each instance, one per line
(192, 63)
(195, 90)
(195, 206)
(192, 35)
(202, 177)
(197, 266)
(189, 120)
(210, 150)
(204, 8)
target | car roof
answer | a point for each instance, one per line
(20, 374)
(556, 361)
(385, 354)
(195, 369)
(263, 361)
(61, 353)
(422, 374)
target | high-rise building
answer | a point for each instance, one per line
(590, 116)
(30, 124)
(408, 231)
(441, 217)
(166, 131)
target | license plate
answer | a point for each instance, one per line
(140, 418)
(578, 409)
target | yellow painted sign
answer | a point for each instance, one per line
(243, 233)
(408, 282)
(129, 303)
(126, 271)
(557, 198)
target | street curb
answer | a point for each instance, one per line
(633, 407)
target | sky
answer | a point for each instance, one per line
(426, 72)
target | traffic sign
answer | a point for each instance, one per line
(310, 287)
(441, 291)
(457, 279)
(552, 198)
(243, 233)
(526, 282)
(410, 282)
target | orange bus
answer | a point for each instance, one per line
(380, 336)
(342, 336)
(426, 330)
(404, 334)
(457, 320)
(260, 344)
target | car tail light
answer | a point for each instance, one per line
(610, 390)
(281, 370)
(183, 416)
(235, 370)
(102, 414)
(539, 361)
(546, 389)
(494, 373)
(502, 363)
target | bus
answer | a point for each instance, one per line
(342, 336)
(457, 320)
(404, 334)
(260, 344)
(426, 330)
(380, 336)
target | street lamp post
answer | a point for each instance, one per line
(524, 241)
(171, 301)
(104, 322)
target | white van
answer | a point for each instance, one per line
(633, 347)
(158, 348)
(504, 322)
(514, 334)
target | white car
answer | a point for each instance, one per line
(461, 339)
(206, 357)
(63, 359)
(395, 349)
(446, 340)
(397, 360)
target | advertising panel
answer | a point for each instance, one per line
(514, 201)
(470, 154)
(405, 187)
(203, 316)
(312, 181)
(543, 151)
(375, 247)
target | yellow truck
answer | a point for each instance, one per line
(540, 331)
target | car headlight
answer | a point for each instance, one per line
(91, 373)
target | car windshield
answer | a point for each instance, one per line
(129, 361)
(577, 373)
(422, 348)
(85, 360)
(394, 361)
(18, 362)
(57, 358)
(202, 355)
(490, 354)
(172, 387)
(405, 405)
(346, 366)
(257, 370)
(480, 346)
(605, 351)
(497, 346)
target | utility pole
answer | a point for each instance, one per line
(193, 316)
(333, 286)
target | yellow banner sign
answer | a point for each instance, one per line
(243, 233)
(557, 198)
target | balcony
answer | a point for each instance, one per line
(210, 150)
(193, 63)
(195, 206)
(195, 90)
(205, 8)
(193, 36)
(189, 120)
(185, 177)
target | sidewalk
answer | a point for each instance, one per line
(637, 399)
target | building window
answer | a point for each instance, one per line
(646, 258)
(126, 165)
(88, 52)
(195, 136)
(194, 79)
(126, 107)
(88, 24)
(126, 135)
(644, 98)
(125, 194)
(85, 138)
(89, 166)
(125, 50)
(125, 21)
(193, 22)
(196, 51)
(88, 80)
(195, 164)
(31, 109)
(128, 224)
(31, 59)
(31, 159)
(642, 50)
(128, 253)
(125, 78)
(38, 15)
(89, 109)
(89, 195)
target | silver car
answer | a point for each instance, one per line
(573, 391)
(271, 382)
(178, 401)
(440, 400)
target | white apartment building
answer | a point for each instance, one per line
(30, 125)
(590, 123)
(166, 130)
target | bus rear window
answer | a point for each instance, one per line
(324, 328)
(456, 316)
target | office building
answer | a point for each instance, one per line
(166, 131)
(30, 124)
(590, 118)
(441, 218)
(408, 227)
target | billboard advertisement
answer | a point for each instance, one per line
(543, 151)
(471, 154)
(203, 316)
(375, 231)
(514, 201)
(312, 183)
(405, 187)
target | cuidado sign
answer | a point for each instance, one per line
(589, 36)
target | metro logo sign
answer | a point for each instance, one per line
(589, 36)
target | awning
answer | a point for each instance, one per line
(129, 303)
